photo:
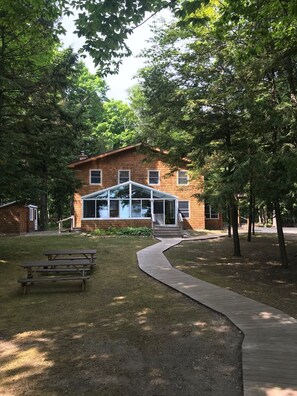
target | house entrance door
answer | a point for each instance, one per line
(164, 211)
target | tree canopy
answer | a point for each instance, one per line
(220, 88)
(51, 107)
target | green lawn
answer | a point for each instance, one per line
(125, 335)
(257, 274)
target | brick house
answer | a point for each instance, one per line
(128, 187)
(16, 218)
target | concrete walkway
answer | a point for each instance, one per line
(269, 350)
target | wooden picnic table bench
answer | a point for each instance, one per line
(29, 281)
(55, 271)
(71, 254)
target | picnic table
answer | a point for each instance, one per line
(56, 271)
(71, 254)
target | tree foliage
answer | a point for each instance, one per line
(220, 88)
(118, 125)
(51, 108)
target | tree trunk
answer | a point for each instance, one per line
(44, 206)
(280, 235)
(234, 220)
(229, 222)
(249, 236)
(254, 214)
(291, 79)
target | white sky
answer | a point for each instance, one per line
(119, 83)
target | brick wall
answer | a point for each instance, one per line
(214, 224)
(91, 225)
(136, 162)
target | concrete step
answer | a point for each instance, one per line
(167, 232)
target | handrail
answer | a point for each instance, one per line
(60, 222)
(153, 220)
(180, 221)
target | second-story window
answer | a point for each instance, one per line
(154, 177)
(95, 176)
(182, 177)
(124, 176)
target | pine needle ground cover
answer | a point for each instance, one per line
(257, 274)
(125, 335)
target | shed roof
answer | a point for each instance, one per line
(8, 204)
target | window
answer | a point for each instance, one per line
(114, 208)
(124, 176)
(124, 201)
(141, 208)
(182, 177)
(210, 213)
(102, 209)
(95, 176)
(89, 209)
(154, 177)
(31, 214)
(184, 208)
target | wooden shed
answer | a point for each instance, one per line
(17, 218)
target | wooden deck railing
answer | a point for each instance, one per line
(60, 223)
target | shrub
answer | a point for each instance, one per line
(127, 231)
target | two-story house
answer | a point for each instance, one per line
(126, 187)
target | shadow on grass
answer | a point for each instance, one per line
(257, 274)
(126, 335)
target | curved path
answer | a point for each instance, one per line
(269, 350)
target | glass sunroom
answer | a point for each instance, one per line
(130, 200)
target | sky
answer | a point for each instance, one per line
(119, 83)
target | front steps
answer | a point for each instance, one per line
(167, 232)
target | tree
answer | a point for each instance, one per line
(27, 43)
(192, 110)
(85, 99)
(118, 124)
(267, 32)
(51, 135)
(106, 124)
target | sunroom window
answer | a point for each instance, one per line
(124, 201)
(89, 208)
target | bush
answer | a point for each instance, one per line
(130, 231)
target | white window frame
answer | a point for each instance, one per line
(210, 212)
(123, 170)
(90, 177)
(148, 177)
(151, 199)
(184, 200)
(178, 177)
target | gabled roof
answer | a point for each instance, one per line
(153, 190)
(117, 151)
(105, 154)
(8, 204)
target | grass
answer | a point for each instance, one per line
(125, 335)
(257, 274)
